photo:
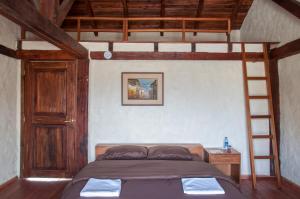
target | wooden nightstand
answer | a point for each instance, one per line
(227, 162)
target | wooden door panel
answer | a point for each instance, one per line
(49, 149)
(50, 92)
(50, 112)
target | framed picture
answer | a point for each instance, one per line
(142, 89)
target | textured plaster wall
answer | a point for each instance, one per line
(267, 21)
(289, 72)
(9, 104)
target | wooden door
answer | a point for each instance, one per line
(49, 135)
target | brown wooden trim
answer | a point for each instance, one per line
(248, 177)
(44, 55)
(174, 56)
(24, 14)
(7, 183)
(274, 79)
(8, 52)
(82, 113)
(289, 49)
(292, 6)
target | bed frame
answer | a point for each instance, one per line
(193, 148)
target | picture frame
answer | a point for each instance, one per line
(142, 88)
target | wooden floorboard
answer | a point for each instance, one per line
(23, 189)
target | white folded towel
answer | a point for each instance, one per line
(201, 186)
(101, 188)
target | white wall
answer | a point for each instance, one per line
(267, 21)
(289, 73)
(9, 104)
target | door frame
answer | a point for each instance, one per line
(81, 140)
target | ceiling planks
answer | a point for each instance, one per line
(24, 14)
(292, 6)
(161, 8)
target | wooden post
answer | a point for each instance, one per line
(125, 30)
(78, 29)
(183, 30)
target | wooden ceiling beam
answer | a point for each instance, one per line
(162, 14)
(99, 55)
(292, 6)
(35, 3)
(289, 49)
(63, 11)
(24, 14)
(198, 14)
(49, 9)
(91, 13)
(8, 52)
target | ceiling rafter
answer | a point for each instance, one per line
(35, 3)
(199, 14)
(292, 6)
(91, 14)
(63, 10)
(49, 9)
(162, 14)
(23, 13)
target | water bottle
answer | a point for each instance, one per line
(226, 143)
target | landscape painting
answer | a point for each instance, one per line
(142, 88)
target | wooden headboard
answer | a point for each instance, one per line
(193, 148)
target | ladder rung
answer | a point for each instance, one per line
(260, 116)
(262, 136)
(257, 78)
(259, 97)
(261, 157)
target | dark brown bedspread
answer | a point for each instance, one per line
(151, 179)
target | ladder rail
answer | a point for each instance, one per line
(270, 116)
(272, 119)
(248, 115)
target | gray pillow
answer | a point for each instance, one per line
(169, 153)
(126, 152)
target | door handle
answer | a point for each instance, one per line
(69, 121)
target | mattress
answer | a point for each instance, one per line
(151, 179)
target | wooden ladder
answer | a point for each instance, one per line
(270, 116)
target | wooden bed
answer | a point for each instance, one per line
(193, 148)
(142, 178)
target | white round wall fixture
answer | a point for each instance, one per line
(107, 55)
